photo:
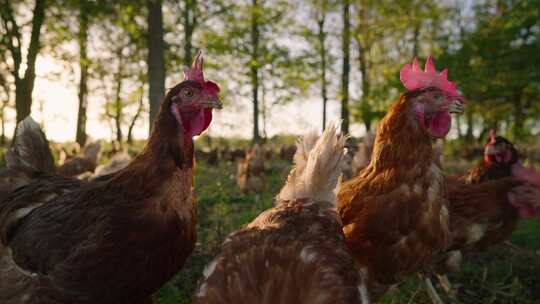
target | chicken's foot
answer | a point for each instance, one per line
(430, 289)
(445, 283)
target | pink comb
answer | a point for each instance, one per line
(413, 78)
(195, 73)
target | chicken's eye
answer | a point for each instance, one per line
(188, 93)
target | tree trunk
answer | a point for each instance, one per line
(135, 118)
(255, 68)
(4, 105)
(470, 124)
(156, 58)
(416, 35)
(366, 85)
(82, 39)
(2, 125)
(118, 111)
(263, 111)
(322, 54)
(346, 68)
(519, 117)
(25, 86)
(118, 106)
(189, 28)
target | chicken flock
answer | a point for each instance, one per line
(118, 234)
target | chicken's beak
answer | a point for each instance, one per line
(457, 106)
(212, 101)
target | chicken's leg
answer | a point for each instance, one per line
(445, 283)
(435, 298)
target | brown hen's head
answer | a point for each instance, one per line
(191, 102)
(500, 150)
(433, 98)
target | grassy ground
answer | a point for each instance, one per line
(503, 275)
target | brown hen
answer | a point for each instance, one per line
(394, 212)
(487, 202)
(118, 238)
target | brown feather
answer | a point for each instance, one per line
(481, 213)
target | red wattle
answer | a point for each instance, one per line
(440, 124)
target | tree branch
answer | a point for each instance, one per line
(12, 32)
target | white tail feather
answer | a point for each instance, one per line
(318, 165)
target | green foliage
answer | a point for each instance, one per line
(496, 64)
(387, 34)
(253, 39)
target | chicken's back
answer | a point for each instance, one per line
(93, 237)
(482, 214)
(293, 253)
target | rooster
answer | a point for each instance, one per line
(394, 213)
(294, 252)
(118, 238)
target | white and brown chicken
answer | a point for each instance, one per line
(294, 252)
